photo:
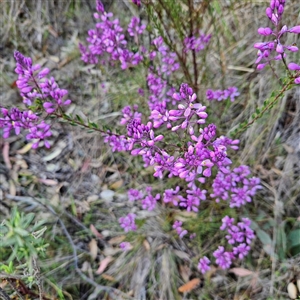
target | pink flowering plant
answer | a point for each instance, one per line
(169, 131)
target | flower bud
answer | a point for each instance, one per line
(293, 67)
(295, 29)
(279, 48)
(292, 48)
(269, 12)
(265, 31)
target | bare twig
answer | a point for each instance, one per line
(3, 294)
(14, 288)
(37, 275)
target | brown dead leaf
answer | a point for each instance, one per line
(241, 272)
(161, 246)
(96, 232)
(12, 188)
(3, 283)
(146, 245)
(49, 182)
(185, 272)
(108, 277)
(189, 286)
(104, 263)
(5, 152)
(85, 266)
(116, 185)
(93, 248)
(25, 149)
(85, 166)
(117, 240)
(52, 31)
(212, 271)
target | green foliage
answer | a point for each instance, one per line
(21, 241)
(294, 241)
(267, 106)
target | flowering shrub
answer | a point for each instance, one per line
(200, 161)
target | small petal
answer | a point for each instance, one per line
(265, 31)
(279, 48)
(293, 66)
(295, 29)
(260, 66)
(187, 112)
(207, 172)
(67, 102)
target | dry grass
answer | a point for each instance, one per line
(80, 166)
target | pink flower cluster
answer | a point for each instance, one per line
(164, 63)
(137, 2)
(125, 246)
(274, 50)
(295, 67)
(219, 95)
(149, 202)
(134, 195)
(199, 153)
(202, 152)
(235, 186)
(196, 43)
(128, 114)
(128, 222)
(107, 39)
(14, 119)
(180, 231)
(33, 84)
(239, 238)
(134, 27)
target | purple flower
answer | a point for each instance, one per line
(267, 50)
(107, 39)
(241, 250)
(125, 246)
(196, 43)
(203, 265)
(117, 142)
(192, 236)
(223, 259)
(34, 84)
(134, 28)
(128, 222)
(137, 2)
(14, 119)
(180, 231)
(219, 95)
(128, 114)
(149, 202)
(235, 235)
(141, 92)
(227, 222)
(210, 95)
(134, 195)
(171, 196)
(295, 67)
(191, 203)
(235, 186)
